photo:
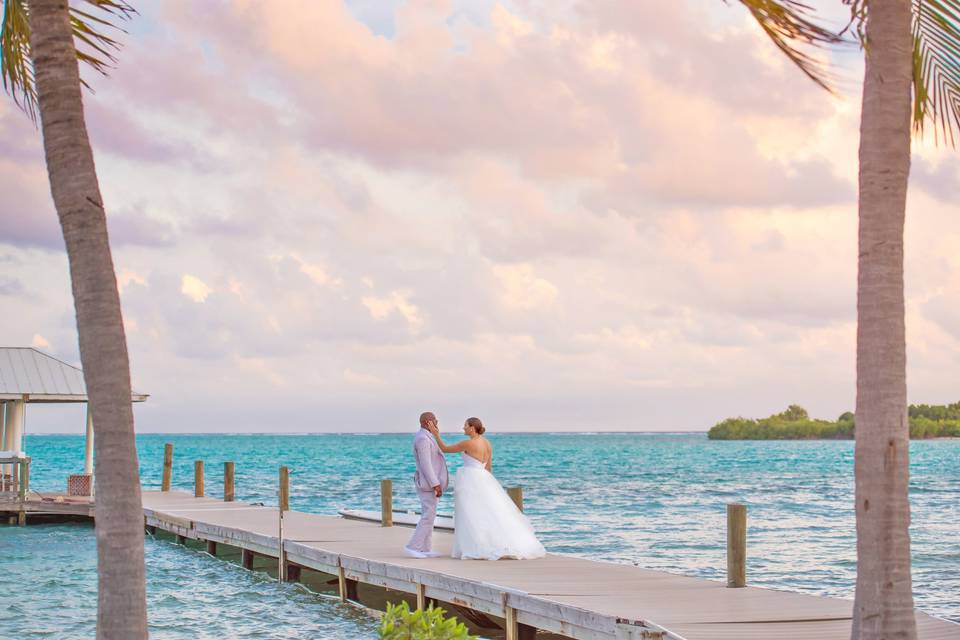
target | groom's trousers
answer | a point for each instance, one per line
(422, 539)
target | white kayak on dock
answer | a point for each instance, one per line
(402, 518)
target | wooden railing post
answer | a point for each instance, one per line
(386, 503)
(736, 545)
(283, 504)
(24, 479)
(228, 482)
(24, 471)
(284, 489)
(198, 478)
(167, 466)
(516, 494)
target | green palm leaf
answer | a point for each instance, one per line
(95, 47)
(936, 63)
(936, 67)
(789, 25)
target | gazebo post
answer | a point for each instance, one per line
(3, 438)
(14, 431)
(12, 434)
(88, 451)
(8, 426)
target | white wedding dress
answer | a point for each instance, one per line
(487, 524)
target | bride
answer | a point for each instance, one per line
(487, 524)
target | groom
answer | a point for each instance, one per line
(430, 480)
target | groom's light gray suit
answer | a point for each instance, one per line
(431, 472)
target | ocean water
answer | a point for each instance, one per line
(655, 500)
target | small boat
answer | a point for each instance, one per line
(401, 518)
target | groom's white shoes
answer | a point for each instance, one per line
(433, 554)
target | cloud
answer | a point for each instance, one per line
(395, 302)
(194, 288)
(40, 342)
(522, 289)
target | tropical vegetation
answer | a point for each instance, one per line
(926, 421)
(400, 623)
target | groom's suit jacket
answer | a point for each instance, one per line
(431, 465)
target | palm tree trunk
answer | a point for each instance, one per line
(103, 348)
(883, 606)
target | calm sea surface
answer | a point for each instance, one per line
(655, 500)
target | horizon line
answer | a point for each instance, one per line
(371, 433)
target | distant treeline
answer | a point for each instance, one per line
(926, 421)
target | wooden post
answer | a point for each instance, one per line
(511, 627)
(167, 467)
(283, 505)
(516, 494)
(246, 558)
(181, 539)
(284, 489)
(386, 503)
(198, 478)
(228, 482)
(421, 597)
(24, 479)
(24, 470)
(342, 584)
(212, 548)
(736, 545)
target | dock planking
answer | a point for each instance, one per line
(566, 595)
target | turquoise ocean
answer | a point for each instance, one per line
(654, 500)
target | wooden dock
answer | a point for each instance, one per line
(44, 504)
(564, 595)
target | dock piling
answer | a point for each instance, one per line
(167, 466)
(23, 489)
(246, 559)
(284, 489)
(386, 503)
(198, 478)
(212, 548)
(228, 482)
(736, 545)
(516, 494)
(283, 504)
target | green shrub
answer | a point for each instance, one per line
(926, 421)
(399, 623)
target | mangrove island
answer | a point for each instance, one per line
(926, 421)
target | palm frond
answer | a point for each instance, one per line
(789, 24)
(96, 48)
(936, 63)
(16, 68)
(936, 67)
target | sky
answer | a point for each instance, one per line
(578, 215)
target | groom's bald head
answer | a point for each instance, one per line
(426, 417)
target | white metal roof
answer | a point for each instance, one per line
(28, 374)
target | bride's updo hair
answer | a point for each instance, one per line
(477, 425)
